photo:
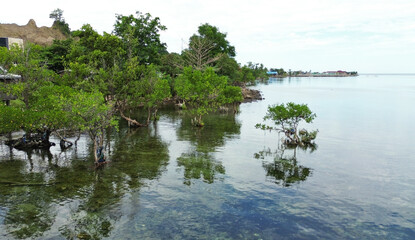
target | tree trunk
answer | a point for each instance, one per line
(132, 122)
(199, 122)
(95, 149)
(77, 139)
(155, 115)
(148, 116)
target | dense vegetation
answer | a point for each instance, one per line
(88, 81)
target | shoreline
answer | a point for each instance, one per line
(313, 75)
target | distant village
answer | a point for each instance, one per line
(279, 72)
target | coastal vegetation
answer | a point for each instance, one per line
(287, 118)
(89, 81)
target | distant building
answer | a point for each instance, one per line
(8, 42)
(339, 72)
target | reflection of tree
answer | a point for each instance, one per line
(138, 155)
(218, 128)
(199, 162)
(97, 191)
(142, 153)
(283, 169)
(29, 198)
(87, 225)
(28, 214)
(200, 165)
(28, 220)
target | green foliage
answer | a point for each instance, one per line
(280, 71)
(220, 44)
(30, 64)
(5, 57)
(62, 26)
(94, 61)
(74, 101)
(231, 95)
(120, 67)
(87, 41)
(59, 22)
(289, 115)
(95, 50)
(203, 91)
(141, 86)
(91, 112)
(258, 70)
(141, 37)
(227, 66)
(288, 118)
(170, 64)
(153, 88)
(55, 107)
(208, 47)
(159, 91)
(78, 76)
(307, 137)
(11, 118)
(93, 115)
(56, 54)
(107, 51)
(49, 108)
(246, 75)
(57, 14)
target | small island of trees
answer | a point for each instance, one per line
(287, 118)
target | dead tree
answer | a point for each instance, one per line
(199, 54)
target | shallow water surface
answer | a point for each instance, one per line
(229, 180)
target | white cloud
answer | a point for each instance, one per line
(290, 34)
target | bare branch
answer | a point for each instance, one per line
(199, 53)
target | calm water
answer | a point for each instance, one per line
(230, 180)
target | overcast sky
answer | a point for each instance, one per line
(368, 36)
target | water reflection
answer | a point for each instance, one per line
(200, 162)
(140, 153)
(218, 128)
(281, 166)
(359, 184)
(30, 198)
(28, 214)
(74, 199)
(199, 165)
